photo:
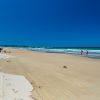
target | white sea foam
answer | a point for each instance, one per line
(64, 50)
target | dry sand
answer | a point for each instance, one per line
(79, 80)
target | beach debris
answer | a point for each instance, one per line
(19, 88)
(5, 56)
(6, 51)
(65, 67)
(39, 86)
(8, 61)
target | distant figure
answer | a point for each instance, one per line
(1, 50)
(81, 52)
(87, 52)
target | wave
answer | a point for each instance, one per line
(63, 50)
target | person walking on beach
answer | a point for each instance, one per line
(87, 52)
(81, 52)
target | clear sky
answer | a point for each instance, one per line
(50, 22)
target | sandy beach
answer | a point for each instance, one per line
(56, 76)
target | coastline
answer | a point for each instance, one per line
(79, 81)
(90, 52)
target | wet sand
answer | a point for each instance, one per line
(79, 80)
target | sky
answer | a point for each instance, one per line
(63, 23)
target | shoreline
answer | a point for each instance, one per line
(92, 53)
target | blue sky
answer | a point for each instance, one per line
(50, 22)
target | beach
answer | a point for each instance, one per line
(55, 76)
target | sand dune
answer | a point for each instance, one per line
(51, 81)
